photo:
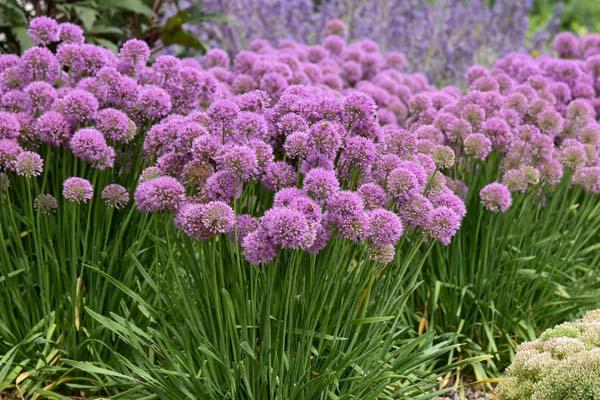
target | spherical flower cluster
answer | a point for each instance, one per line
(115, 196)
(45, 203)
(159, 194)
(77, 190)
(496, 197)
(28, 164)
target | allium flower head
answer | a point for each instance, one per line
(43, 31)
(115, 125)
(217, 217)
(385, 227)
(287, 228)
(321, 184)
(240, 161)
(79, 105)
(258, 248)
(296, 145)
(442, 224)
(41, 96)
(222, 185)
(9, 125)
(28, 164)
(45, 203)
(9, 150)
(135, 52)
(402, 183)
(115, 196)
(382, 253)
(159, 194)
(278, 175)
(359, 108)
(373, 195)
(244, 224)
(89, 145)
(284, 197)
(443, 156)
(70, 33)
(477, 145)
(335, 27)
(153, 102)
(496, 197)
(78, 190)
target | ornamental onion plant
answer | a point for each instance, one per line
(526, 136)
(265, 172)
(72, 124)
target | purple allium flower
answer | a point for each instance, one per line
(566, 45)
(296, 145)
(385, 227)
(258, 248)
(115, 196)
(45, 203)
(135, 52)
(216, 58)
(415, 209)
(447, 198)
(358, 152)
(78, 190)
(249, 125)
(28, 164)
(43, 31)
(359, 108)
(307, 206)
(70, 33)
(222, 114)
(324, 137)
(159, 194)
(515, 180)
(149, 173)
(335, 27)
(9, 125)
(321, 239)
(402, 183)
(274, 84)
(217, 217)
(78, 105)
(495, 197)
(442, 224)
(344, 205)
(382, 253)
(498, 131)
(263, 152)
(9, 150)
(153, 102)
(244, 224)
(189, 218)
(573, 154)
(41, 96)
(284, 197)
(443, 156)
(278, 175)
(321, 184)
(115, 125)
(287, 228)
(240, 161)
(373, 195)
(588, 178)
(477, 145)
(222, 185)
(89, 145)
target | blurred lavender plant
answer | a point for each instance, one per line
(440, 38)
